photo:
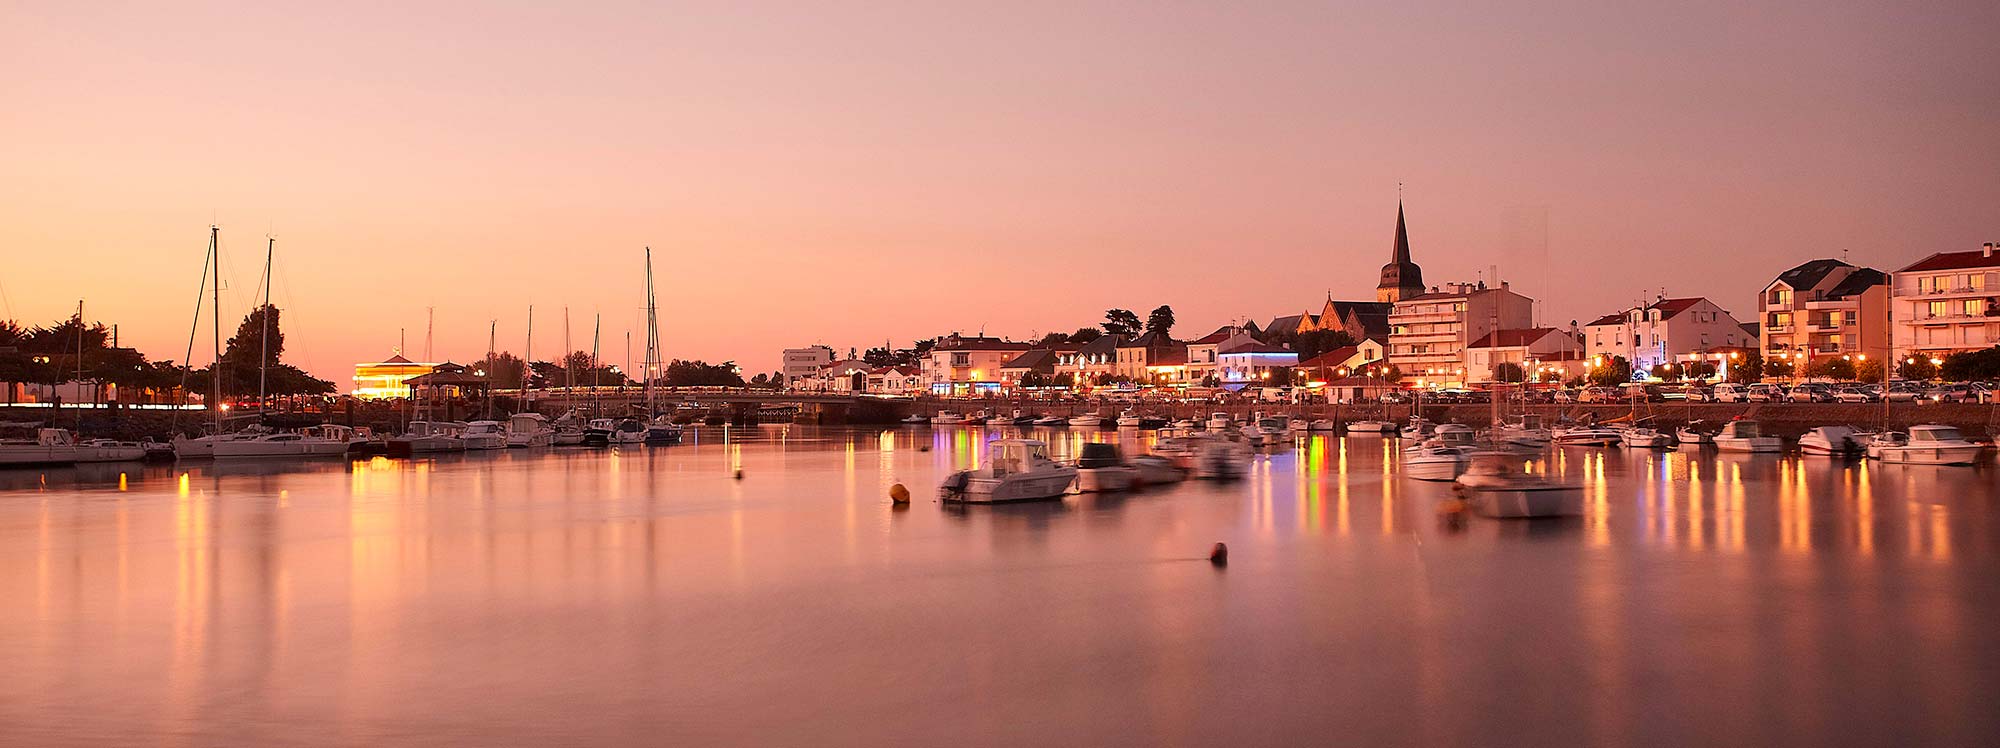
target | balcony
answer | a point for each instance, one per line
(1399, 318)
(1778, 329)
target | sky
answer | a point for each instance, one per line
(850, 173)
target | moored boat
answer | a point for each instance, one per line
(1015, 470)
(525, 430)
(1101, 469)
(1925, 444)
(1499, 489)
(484, 435)
(41, 446)
(328, 440)
(1435, 463)
(1831, 441)
(1745, 436)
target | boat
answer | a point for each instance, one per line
(1451, 435)
(1744, 436)
(1436, 463)
(629, 430)
(1088, 420)
(947, 418)
(1220, 458)
(1372, 427)
(1015, 470)
(1051, 420)
(976, 419)
(1524, 430)
(204, 446)
(1219, 421)
(1497, 488)
(1419, 428)
(1925, 444)
(1101, 469)
(525, 430)
(1645, 437)
(157, 451)
(1187, 424)
(41, 446)
(423, 437)
(1130, 419)
(1689, 436)
(1018, 418)
(915, 418)
(1154, 469)
(328, 440)
(662, 430)
(484, 435)
(109, 450)
(1587, 436)
(1323, 424)
(568, 430)
(1832, 441)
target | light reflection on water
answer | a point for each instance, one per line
(650, 594)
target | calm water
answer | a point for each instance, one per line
(586, 597)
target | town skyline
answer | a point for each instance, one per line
(817, 183)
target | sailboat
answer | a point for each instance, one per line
(204, 446)
(660, 429)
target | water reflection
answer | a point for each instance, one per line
(617, 595)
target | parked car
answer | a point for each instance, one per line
(1763, 393)
(1598, 395)
(1951, 393)
(1810, 392)
(1565, 395)
(1859, 393)
(1727, 392)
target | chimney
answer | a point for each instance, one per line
(1986, 251)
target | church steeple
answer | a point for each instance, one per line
(1401, 278)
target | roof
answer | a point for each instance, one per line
(398, 359)
(1333, 357)
(1954, 261)
(1512, 338)
(1750, 329)
(1034, 358)
(1668, 308)
(1222, 333)
(1255, 347)
(1856, 282)
(1609, 319)
(1150, 340)
(896, 370)
(1289, 323)
(1811, 273)
(1401, 272)
(977, 343)
(1104, 346)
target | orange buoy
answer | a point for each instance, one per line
(899, 494)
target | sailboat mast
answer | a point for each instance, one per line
(569, 372)
(596, 341)
(264, 337)
(528, 359)
(492, 331)
(79, 361)
(215, 311)
(652, 334)
(194, 328)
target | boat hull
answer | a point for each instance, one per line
(1106, 479)
(282, 449)
(1951, 455)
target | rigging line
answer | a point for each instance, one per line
(187, 364)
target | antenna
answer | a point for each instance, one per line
(430, 323)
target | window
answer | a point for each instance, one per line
(1976, 282)
(1853, 318)
(1927, 284)
(1937, 308)
(1974, 308)
(1781, 297)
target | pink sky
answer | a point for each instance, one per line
(850, 172)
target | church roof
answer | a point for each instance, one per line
(1401, 272)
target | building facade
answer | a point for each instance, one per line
(1204, 353)
(805, 362)
(1947, 303)
(1429, 332)
(381, 381)
(1661, 332)
(1824, 308)
(1536, 350)
(960, 365)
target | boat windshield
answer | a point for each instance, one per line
(1945, 434)
(1743, 429)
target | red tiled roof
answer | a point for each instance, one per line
(1954, 261)
(1333, 357)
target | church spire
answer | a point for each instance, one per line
(1401, 278)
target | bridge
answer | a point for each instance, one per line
(742, 404)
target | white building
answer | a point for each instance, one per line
(1251, 363)
(1824, 308)
(960, 365)
(1660, 332)
(1947, 303)
(805, 362)
(1203, 353)
(1428, 332)
(1532, 349)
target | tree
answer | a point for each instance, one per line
(1779, 368)
(1916, 367)
(502, 370)
(1064, 379)
(1747, 367)
(1052, 339)
(1611, 371)
(1310, 344)
(1667, 372)
(1968, 366)
(1121, 322)
(1034, 379)
(1210, 381)
(1279, 377)
(1508, 371)
(1831, 367)
(1085, 335)
(1698, 369)
(1161, 321)
(1869, 371)
(256, 349)
(683, 373)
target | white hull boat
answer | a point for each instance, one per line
(1744, 436)
(483, 435)
(1372, 428)
(1087, 421)
(1645, 438)
(1830, 441)
(1016, 470)
(528, 430)
(1928, 444)
(324, 441)
(1498, 490)
(1587, 436)
(1322, 425)
(1219, 422)
(45, 447)
(1436, 463)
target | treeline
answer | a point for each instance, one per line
(72, 350)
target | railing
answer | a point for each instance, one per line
(1778, 328)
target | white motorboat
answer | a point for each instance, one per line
(1436, 463)
(1269, 430)
(568, 430)
(1155, 469)
(1418, 428)
(1926, 444)
(40, 447)
(1087, 420)
(1018, 418)
(109, 450)
(1832, 441)
(1690, 437)
(422, 437)
(1218, 458)
(1130, 419)
(1744, 436)
(1524, 430)
(597, 433)
(915, 418)
(1322, 424)
(1372, 428)
(977, 418)
(1101, 469)
(628, 431)
(204, 446)
(1645, 437)
(1499, 489)
(525, 430)
(329, 440)
(1447, 435)
(1051, 420)
(484, 435)
(947, 418)
(1187, 424)
(1587, 436)
(1219, 421)
(1015, 470)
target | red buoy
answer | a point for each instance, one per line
(1219, 555)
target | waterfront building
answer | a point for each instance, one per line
(1429, 332)
(387, 379)
(1662, 331)
(895, 380)
(962, 365)
(1094, 363)
(1135, 354)
(1169, 368)
(1039, 361)
(1251, 363)
(1339, 362)
(1534, 349)
(801, 363)
(846, 376)
(1947, 303)
(1824, 308)
(1203, 353)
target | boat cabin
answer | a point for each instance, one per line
(1016, 455)
(1740, 430)
(1099, 455)
(1932, 434)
